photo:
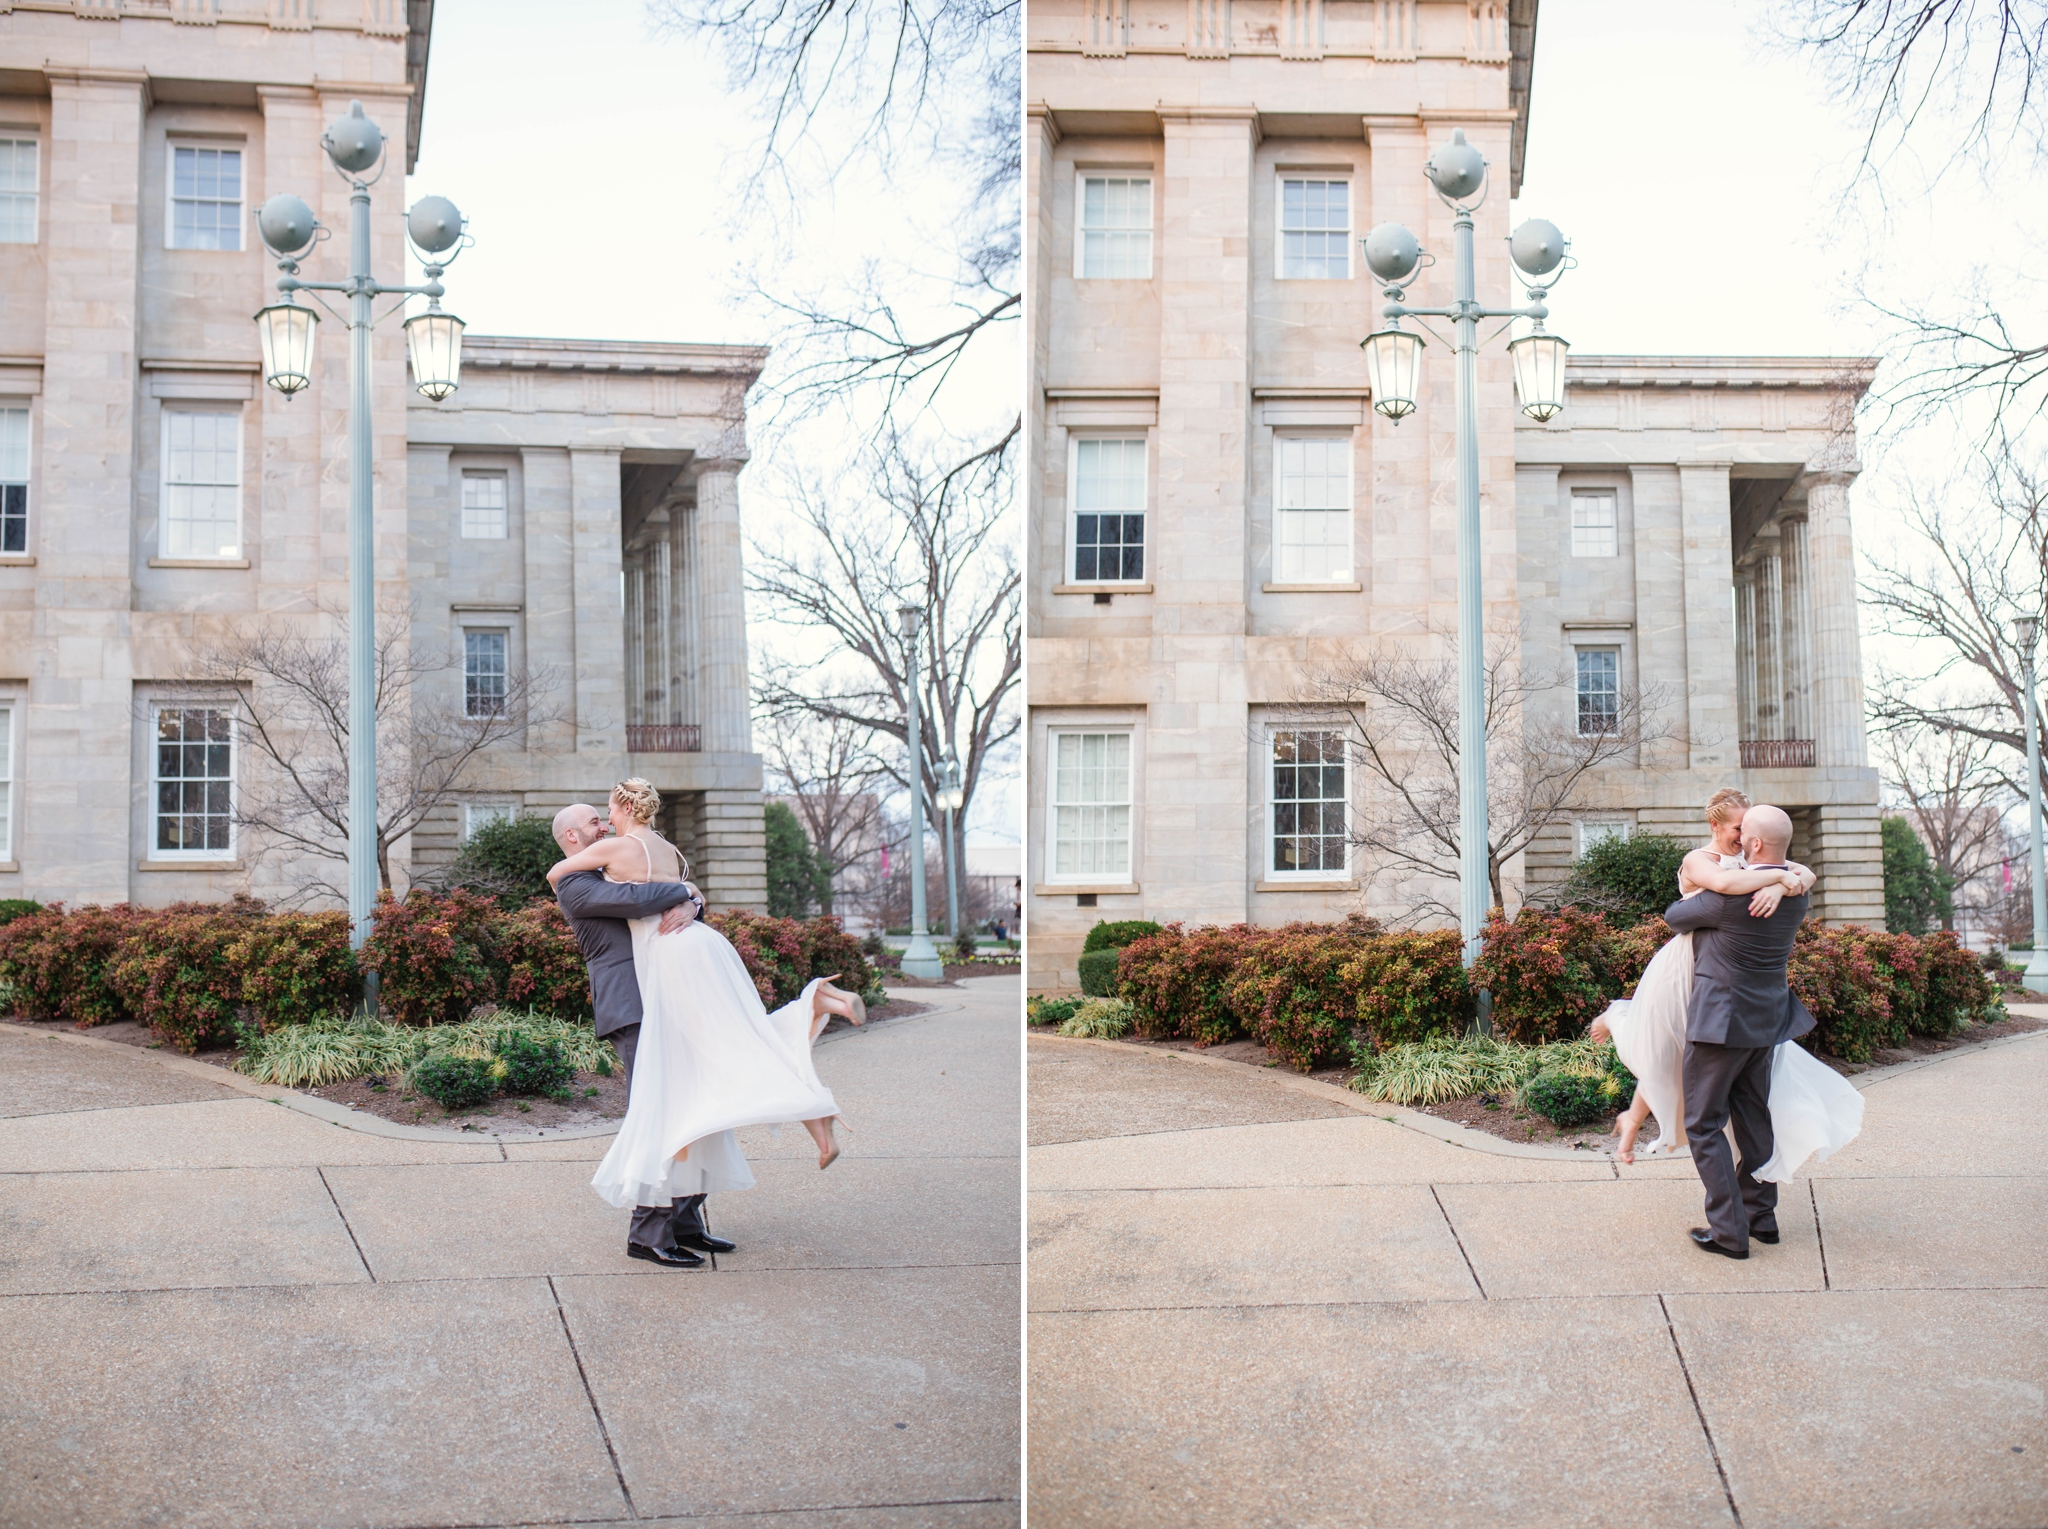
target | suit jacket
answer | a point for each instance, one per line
(597, 910)
(1739, 993)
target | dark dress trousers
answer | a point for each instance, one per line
(1741, 1010)
(597, 910)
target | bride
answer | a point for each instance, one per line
(1813, 1109)
(712, 1058)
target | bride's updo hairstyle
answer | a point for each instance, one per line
(640, 800)
(1727, 806)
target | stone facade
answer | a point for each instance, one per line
(610, 553)
(1196, 302)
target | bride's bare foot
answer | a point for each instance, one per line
(827, 1000)
(1625, 1151)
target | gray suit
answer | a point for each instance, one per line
(1740, 1012)
(597, 910)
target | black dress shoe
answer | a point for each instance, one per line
(1704, 1241)
(1768, 1239)
(668, 1258)
(704, 1242)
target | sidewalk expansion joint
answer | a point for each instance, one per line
(595, 1411)
(1459, 1241)
(1700, 1412)
(1820, 1240)
(345, 1226)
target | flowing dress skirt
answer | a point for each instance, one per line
(711, 1060)
(1815, 1111)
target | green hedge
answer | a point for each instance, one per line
(1116, 934)
(1098, 972)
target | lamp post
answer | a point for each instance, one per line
(2028, 631)
(1393, 361)
(951, 800)
(922, 957)
(355, 144)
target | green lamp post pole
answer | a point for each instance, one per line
(2028, 629)
(1393, 358)
(951, 799)
(921, 959)
(355, 144)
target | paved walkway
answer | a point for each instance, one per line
(1299, 1314)
(216, 1311)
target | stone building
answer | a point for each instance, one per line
(1215, 508)
(572, 512)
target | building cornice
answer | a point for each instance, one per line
(1850, 373)
(489, 352)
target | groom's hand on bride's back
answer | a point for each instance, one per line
(682, 915)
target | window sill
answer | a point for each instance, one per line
(189, 865)
(199, 562)
(1099, 888)
(1306, 885)
(1311, 589)
(1102, 589)
(8, 867)
(17, 560)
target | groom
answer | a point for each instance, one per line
(672, 1235)
(1741, 1010)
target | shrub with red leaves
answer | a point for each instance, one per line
(1291, 992)
(57, 963)
(1178, 981)
(1550, 973)
(435, 955)
(296, 967)
(544, 970)
(1411, 986)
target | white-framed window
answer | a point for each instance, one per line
(484, 671)
(476, 814)
(18, 190)
(6, 781)
(1090, 807)
(1309, 807)
(483, 506)
(1311, 509)
(202, 484)
(1593, 525)
(205, 199)
(1599, 690)
(193, 809)
(13, 479)
(1597, 830)
(1115, 227)
(1109, 510)
(1314, 229)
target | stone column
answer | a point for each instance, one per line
(1194, 845)
(1797, 649)
(75, 835)
(549, 523)
(1658, 519)
(1837, 678)
(1711, 720)
(596, 557)
(682, 624)
(1770, 668)
(1745, 649)
(722, 686)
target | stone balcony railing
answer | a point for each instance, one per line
(1777, 753)
(679, 738)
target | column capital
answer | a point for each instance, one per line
(731, 465)
(1048, 124)
(1828, 476)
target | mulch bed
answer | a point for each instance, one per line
(891, 977)
(594, 1100)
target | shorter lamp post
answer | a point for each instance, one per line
(2028, 630)
(921, 959)
(951, 800)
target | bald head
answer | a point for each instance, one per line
(578, 826)
(1766, 834)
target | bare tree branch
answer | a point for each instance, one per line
(290, 697)
(1398, 711)
(830, 769)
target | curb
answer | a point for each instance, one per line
(373, 1125)
(1452, 1134)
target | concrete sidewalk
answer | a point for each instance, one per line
(1301, 1314)
(218, 1311)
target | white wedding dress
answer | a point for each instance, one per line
(711, 1059)
(1815, 1111)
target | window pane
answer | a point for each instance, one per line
(1315, 230)
(1116, 227)
(17, 191)
(1310, 803)
(1091, 793)
(194, 780)
(206, 199)
(483, 505)
(1109, 476)
(1312, 519)
(1593, 526)
(483, 673)
(202, 494)
(1599, 687)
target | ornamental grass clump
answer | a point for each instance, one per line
(1435, 1072)
(1051, 1011)
(1103, 1019)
